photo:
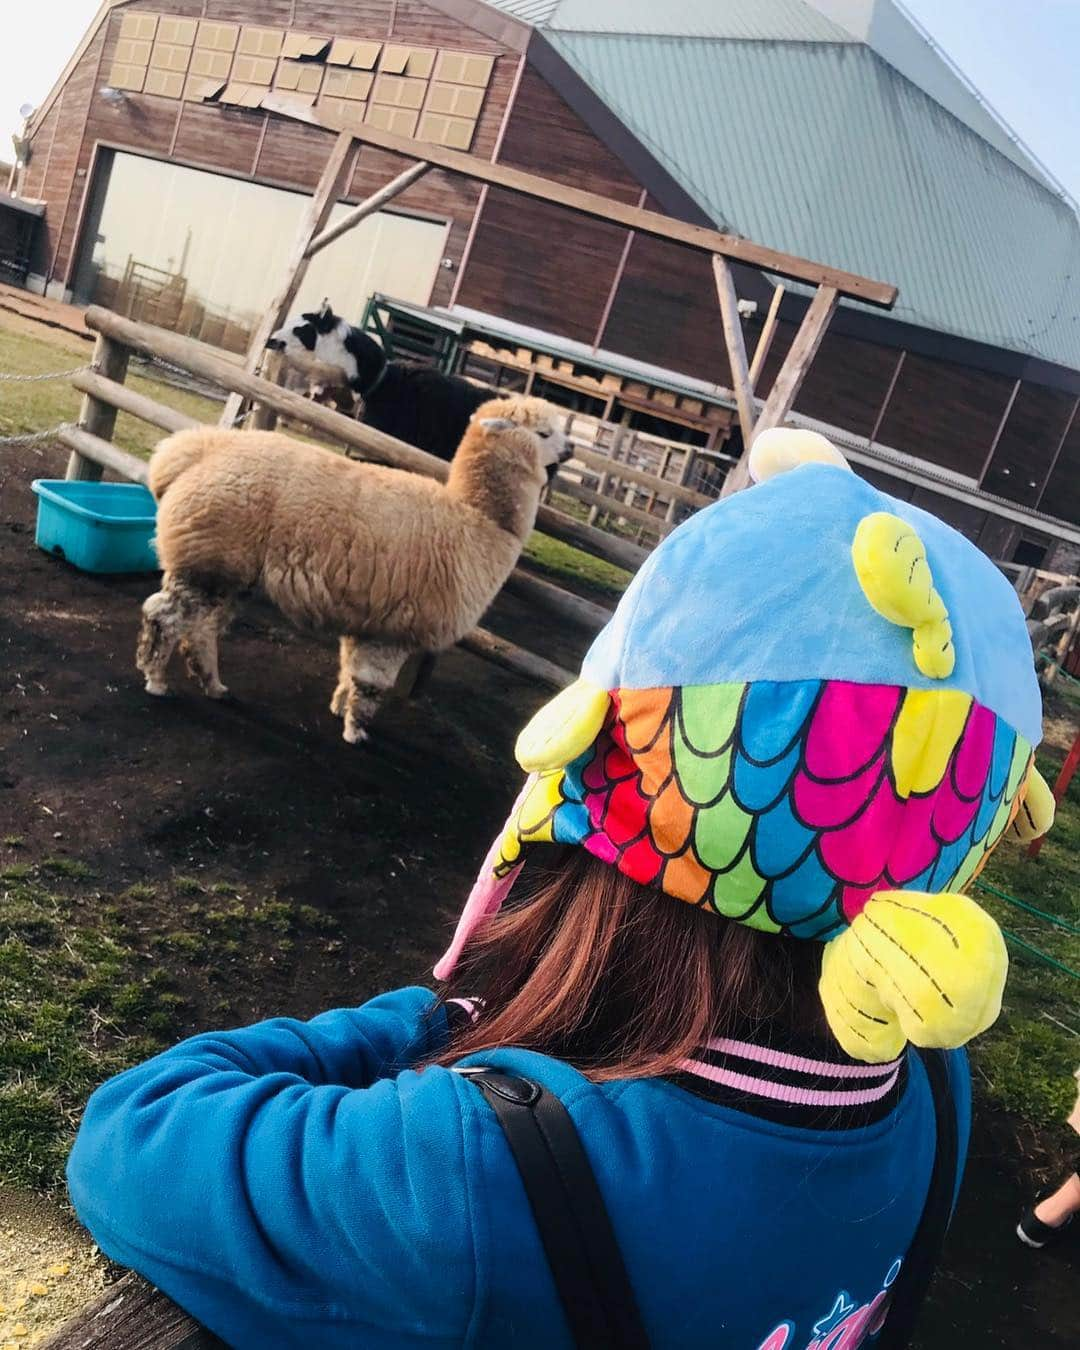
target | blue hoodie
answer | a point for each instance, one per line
(299, 1184)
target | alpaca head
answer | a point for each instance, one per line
(511, 449)
(332, 341)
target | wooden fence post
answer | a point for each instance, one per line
(736, 345)
(96, 417)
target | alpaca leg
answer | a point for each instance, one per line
(372, 669)
(341, 693)
(200, 645)
(163, 626)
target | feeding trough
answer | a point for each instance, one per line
(97, 527)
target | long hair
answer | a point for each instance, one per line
(621, 980)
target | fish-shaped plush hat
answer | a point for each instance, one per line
(814, 712)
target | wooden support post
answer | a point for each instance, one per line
(765, 340)
(95, 417)
(367, 207)
(788, 382)
(736, 345)
(332, 184)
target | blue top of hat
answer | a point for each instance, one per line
(761, 586)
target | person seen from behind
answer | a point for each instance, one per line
(666, 1097)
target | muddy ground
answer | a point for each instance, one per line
(262, 791)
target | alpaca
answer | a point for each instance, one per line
(405, 399)
(393, 563)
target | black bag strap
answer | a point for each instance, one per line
(909, 1291)
(571, 1217)
(581, 1246)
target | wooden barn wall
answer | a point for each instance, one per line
(1062, 495)
(1030, 437)
(539, 264)
(666, 312)
(251, 144)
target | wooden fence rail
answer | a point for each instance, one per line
(132, 1315)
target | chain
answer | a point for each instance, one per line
(49, 375)
(33, 437)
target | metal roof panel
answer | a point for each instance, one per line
(825, 150)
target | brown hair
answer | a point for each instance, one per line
(621, 980)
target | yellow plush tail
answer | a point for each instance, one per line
(929, 969)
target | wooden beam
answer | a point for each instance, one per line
(598, 207)
(367, 207)
(663, 487)
(129, 401)
(736, 346)
(102, 454)
(332, 185)
(563, 603)
(599, 543)
(789, 380)
(765, 339)
(96, 417)
(612, 506)
(132, 1315)
(506, 654)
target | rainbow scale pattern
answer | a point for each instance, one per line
(785, 805)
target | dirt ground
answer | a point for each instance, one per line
(385, 840)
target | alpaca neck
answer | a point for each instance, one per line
(491, 480)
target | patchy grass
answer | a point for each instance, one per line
(1027, 1060)
(90, 985)
(39, 406)
(563, 562)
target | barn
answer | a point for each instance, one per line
(831, 129)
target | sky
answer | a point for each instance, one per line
(1023, 57)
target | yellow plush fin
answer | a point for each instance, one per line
(781, 449)
(1037, 807)
(890, 562)
(929, 969)
(563, 728)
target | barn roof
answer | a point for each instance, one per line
(837, 130)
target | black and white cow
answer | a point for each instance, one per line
(406, 399)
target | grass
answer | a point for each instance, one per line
(90, 984)
(563, 562)
(1026, 1061)
(37, 407)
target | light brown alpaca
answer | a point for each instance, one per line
(392, 562)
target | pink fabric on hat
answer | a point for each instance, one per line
(486, 898)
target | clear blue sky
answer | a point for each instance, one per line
(1023, 56)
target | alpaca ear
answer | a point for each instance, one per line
(496, 423)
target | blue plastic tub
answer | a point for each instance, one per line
(97, 527)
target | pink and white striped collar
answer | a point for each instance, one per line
(820, 1090)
